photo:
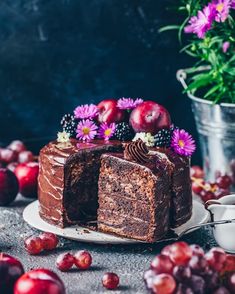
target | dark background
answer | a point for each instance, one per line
(56, 54)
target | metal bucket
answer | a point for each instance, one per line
(216, 127)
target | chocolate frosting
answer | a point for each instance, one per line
(136, 151)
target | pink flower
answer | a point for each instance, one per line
(222, 8)
(201, 23)
(225, 46)
(129, 103)
(86, 111)
(106, 131)
(233, 4)
(182, 143)
(86, 130)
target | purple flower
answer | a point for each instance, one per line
(86, 111)
(106, 131)
(225, 46)
(222, 9)
(182, 143)
(201, 23)
(129, 103)
(233, 4)
(86, 130)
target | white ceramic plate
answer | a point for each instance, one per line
(78, 233)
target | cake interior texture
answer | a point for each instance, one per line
(134, 199)
(68, 181)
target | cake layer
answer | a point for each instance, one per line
(142, 212)
(68, 180)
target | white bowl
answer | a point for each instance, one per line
(223, 209)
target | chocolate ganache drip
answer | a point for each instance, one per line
(136, 151)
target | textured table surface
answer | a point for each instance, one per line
(128, 261)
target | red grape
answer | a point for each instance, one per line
(33, 245)
(221, 290)
(221, 193)
(206, 195)
(166, 250)
(25, 156)
(224, 182)
(180, 253)
(65, 261)
(197, 250)
(49, 240)
(183, 289)
(17, 146)
(216, 258)
(229, 265)
(182, 273)
(196, 187)
(198, 264)
(197, 284)
(231, 282)
(148, 278)
(164, 284)
(7, 155)
(196, 172)
(110, 281)
(162, 264)
(82, 259)
(12, 166)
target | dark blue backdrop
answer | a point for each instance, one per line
(56, 54)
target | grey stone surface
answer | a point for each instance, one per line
(129, 262)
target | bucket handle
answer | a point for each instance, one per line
(181, 74)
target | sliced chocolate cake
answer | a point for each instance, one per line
(134, 193)
(141, 193)
(68, 180)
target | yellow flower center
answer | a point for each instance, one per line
(181, 143)
(220, 7)
(86, 130)
(107, 132)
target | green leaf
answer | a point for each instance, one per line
(168, 28)
(212, 91)
(200, 80)
(230, 71)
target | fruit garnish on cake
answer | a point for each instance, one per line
(92, 148)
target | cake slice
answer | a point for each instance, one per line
(68, 180)
(134, 193)
(181, 190)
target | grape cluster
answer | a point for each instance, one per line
(209, 190)
(186, 269)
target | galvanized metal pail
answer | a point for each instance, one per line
(216, 127)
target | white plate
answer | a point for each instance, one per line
(78, 233)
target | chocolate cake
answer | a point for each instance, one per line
(134, 193)
(68, 180)
(139, 193)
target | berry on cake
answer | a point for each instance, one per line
(121, 163)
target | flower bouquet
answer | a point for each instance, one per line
(209, 33)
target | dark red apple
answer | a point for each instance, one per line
(109, 112)
(27, 175)
(9, 186)
(10, 270)
(39, 281)
(150, 117)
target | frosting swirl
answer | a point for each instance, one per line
(136, 151)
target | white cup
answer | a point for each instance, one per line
(223, 209)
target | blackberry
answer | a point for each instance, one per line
(123, 132)
(69, 124)
(163, 138)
